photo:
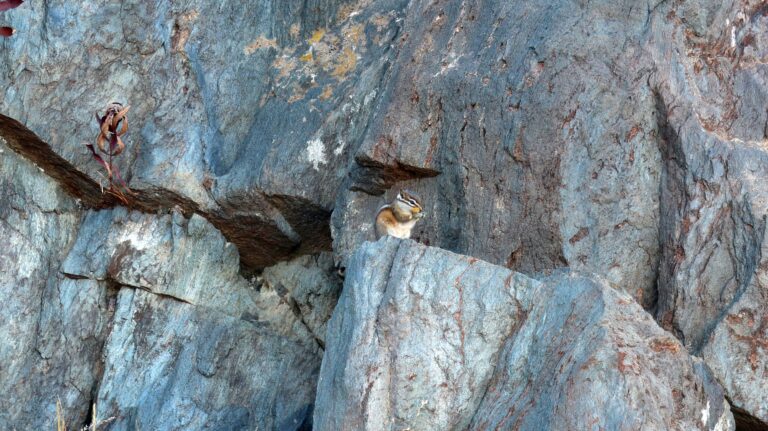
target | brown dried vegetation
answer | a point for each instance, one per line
(112, 125)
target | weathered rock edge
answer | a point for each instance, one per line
(425, 339)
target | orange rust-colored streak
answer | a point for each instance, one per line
(632, 132)
(581, 234)
(622, 367)
(571, 115)
(758, 340)
(659, 345)
(457, 315)
(431, 150)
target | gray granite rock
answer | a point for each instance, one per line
(311, 286)
(539, 121)
(588, 357)
(51, 328)
(174, 366)
(714, 202)
(426, 339)
(414, 338)
(247, 114)
(192, 344)
(621, 138)
(186, 335)
(186, 260)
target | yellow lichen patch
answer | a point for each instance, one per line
(307, 56)
(259, 43)
(297, 93)
(326, 51)
(345, 63)
(182, 30)
(327, 93)
(316, 36)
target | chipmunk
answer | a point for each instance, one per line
(398, 218)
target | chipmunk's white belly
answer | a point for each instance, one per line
(401, 230)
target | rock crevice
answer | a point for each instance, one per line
(266, 229)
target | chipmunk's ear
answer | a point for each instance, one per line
(400, 194)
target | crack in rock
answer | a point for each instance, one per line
(266, 229)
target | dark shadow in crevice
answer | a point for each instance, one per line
(258, 235)
(673, 199)
(375, 178)
(745, 421)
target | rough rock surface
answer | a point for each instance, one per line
(146, 315)
(712, 282)
(193, 344)
(48, 349)
(426, 339)
(311, 286)
(206, 80)
(545, 144)
(622, 138)
(605, 364)
(174, 366)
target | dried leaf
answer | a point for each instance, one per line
(10, 4)
(119, 116)
(106, 124)
(116, 146)
(100, 160)
(100, 142)
(120, 180)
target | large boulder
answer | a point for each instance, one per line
(426, 339)
(174, 366)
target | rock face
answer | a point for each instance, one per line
(176, 366)
(146, 315)
(426, 339)
(413, 339)
(712, 283)
(622, 139)
(311, 286)
(547, 155)
(192, 343)
(41, 326)
(299, 77)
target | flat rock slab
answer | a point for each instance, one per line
(426, 339)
